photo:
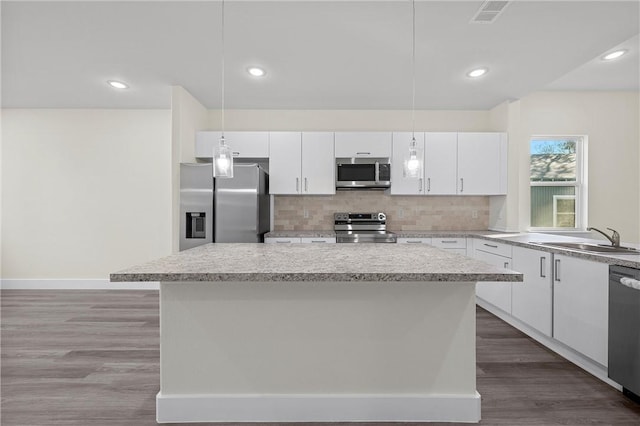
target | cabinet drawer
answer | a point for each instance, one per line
(449, 243)
(281, 240)
(414, 240)
(494, 247)
(318, 240)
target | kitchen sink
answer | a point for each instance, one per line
(593, 248)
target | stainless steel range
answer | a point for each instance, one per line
(362, 228)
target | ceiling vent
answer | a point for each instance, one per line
(489, 12)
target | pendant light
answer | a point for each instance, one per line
(413, 162)
(222, 155)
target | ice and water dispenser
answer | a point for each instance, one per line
(196, 224)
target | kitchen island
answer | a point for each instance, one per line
(277, 333)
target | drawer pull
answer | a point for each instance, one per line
(414, 242)
(318, 241)
(490, 245)
(363, 153)
(448, 241)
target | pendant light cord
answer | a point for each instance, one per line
(413, 71)
(222, 111)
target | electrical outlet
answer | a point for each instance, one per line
(401, 213)
(474, 214)
(305, 213)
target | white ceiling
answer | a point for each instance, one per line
(318, 55)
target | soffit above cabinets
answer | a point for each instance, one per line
(317, 54)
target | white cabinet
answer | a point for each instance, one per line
(363, 144)
(301, 163)
(531, 300)
(409, 240)
(580, 305)
(401, 184)
(482, 163)
(318, 240)
(242, 144)
(285, 163)
(440, 163)
(499, 255)
(282, 240)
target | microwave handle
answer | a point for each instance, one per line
(377, 172)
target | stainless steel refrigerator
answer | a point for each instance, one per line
(232, 210)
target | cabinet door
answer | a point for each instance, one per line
(318, 163)
(205, 142)
(496, 293)
(440, 163)
(242, 144)
(363, 144)
(531, 300)
(248, 144)
(480, 163)
(401, 184)
(580, 305)
(285, 149)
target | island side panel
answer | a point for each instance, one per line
(225, 339)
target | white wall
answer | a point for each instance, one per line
(611, 120)
(84, 192)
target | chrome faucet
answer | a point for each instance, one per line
(614, 238)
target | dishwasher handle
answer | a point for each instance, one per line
(630, 282)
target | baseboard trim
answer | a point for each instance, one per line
(75, 284)
(587, 364)
(318, 408)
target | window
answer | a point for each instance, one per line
(557, 178)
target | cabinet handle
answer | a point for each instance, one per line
(306, 186)
(428, 184)
(490, 245)
(461, 184)
(283, 242)
(414, 242)
(297, 184)
(556, 271)
(542, 259)
(506, 265)
(235, 154)
(448, 241)
(318, 241)
(363, 153)
(420, 188)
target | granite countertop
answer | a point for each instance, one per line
(522, 239)
(315, 262)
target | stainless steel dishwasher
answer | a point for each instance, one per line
(624, 329)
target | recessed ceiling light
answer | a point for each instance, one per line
(118, 84)
(477, 72)
(256, 72)
(614, 55)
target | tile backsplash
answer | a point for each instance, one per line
(404, 213)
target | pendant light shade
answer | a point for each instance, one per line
(222, 160)
(222, 155)
(413, 161)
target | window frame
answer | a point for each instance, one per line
(580, 184)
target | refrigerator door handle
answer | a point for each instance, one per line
(297, 184)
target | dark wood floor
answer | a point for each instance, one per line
(91, 358)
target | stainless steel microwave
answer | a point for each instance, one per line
(363, 173)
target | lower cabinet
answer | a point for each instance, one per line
(531, 300)
(581, 305)
(499, 255)
(303, 240)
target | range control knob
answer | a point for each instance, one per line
(382, 216)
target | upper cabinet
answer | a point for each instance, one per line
(482, 163)
(401, 184)
(454, 164)
(362, 144)
(440, 163)
(242, 144)
(301, 163)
